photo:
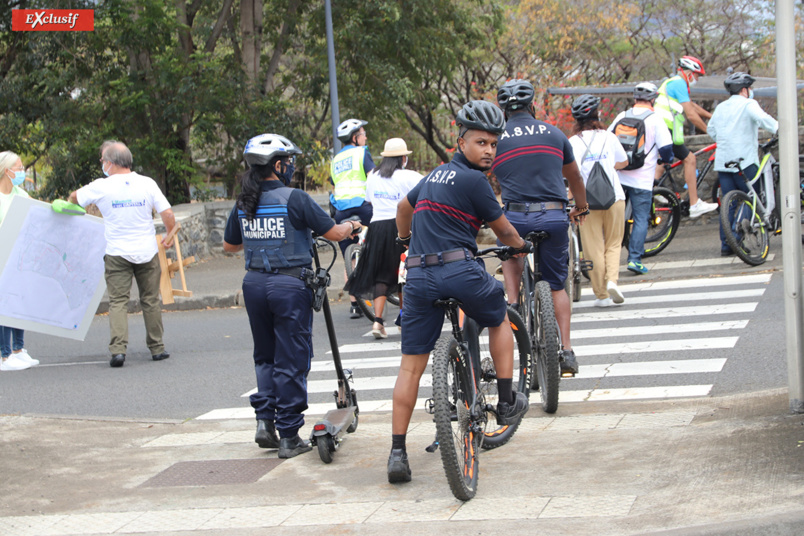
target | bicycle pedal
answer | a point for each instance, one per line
(567, 374)
(586, 265)
(429, 406)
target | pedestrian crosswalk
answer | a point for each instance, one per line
(669, 339)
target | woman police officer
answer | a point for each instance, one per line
(273, 224)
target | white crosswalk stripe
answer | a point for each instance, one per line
(688, 325)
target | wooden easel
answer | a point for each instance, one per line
(169, 269)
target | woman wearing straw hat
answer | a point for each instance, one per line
(377, 273)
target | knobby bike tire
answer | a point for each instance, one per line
(495, 435)
(572, 285)
(458, 444)
(745, 234)
(546, 347)
(665, 217)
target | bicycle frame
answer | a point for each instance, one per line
(759, 207)
(668, 177)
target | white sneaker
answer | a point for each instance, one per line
(23, 355)
(605, 302)
(13, 363)
(701, 207)
(614, 292)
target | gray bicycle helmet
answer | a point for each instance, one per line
(585, 107)
(261, 149)
(737, 81)
(481, 115)
(645, 91)
(348, 128)
(515, 95)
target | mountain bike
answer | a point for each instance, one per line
(536, 304)
(464, 387)
(663, 221)
(667, 180)
(351, 259)
(748, 218)
(578, 266)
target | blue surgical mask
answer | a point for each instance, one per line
(287, 175)
(105, 173)
(19, 178)
(750, 93)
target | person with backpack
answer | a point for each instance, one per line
(673, 105)
(599, 154)
(645, 138)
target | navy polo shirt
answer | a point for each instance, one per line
(303, 212)
(530, 158)
(450, 204)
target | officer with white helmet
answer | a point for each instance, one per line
(349, 170)
(273, 224)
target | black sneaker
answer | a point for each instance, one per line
(398, 467)
(355, 311)
(293, 446)
(508, 414)
(569, 365)
(266, 436)
(117, 360)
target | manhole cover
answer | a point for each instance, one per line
(212, 472)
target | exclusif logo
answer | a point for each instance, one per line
(52, 20)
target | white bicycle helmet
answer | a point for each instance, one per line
(261, 149)
(646, 91)
(349, 127)
(691, 63)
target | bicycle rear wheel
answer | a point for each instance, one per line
(546, 347)
(745, 233)
(665, 217)
(573, 282)
(455, 430)
(478, 342)
(351, 260)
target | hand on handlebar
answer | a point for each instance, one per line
(509, 252)
(578, 216)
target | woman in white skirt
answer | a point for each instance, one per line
(602, 232)
(378, 271)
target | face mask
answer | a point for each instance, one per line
(287, 174)
(105, 173)
(404, 163)
(750, 93)
(19, 178)
(693, 81)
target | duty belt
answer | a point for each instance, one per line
(298, 272)
(535, 207)
(434, 259)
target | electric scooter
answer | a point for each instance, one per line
(326, 432)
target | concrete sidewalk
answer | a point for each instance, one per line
(732, 465)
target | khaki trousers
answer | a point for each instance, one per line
(602, 238)
(119, 273)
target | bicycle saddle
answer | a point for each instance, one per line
(447, 303)
(734, 163)
(537, 236)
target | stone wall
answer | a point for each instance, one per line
(202, 225)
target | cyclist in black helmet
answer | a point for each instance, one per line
(440, 217)
(734, 126)
(532, 161)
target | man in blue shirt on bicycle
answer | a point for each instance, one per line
(735, 127)
(440, 217)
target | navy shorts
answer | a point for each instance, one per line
(482, 296)
(553, 252)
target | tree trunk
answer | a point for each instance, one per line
(251, 33)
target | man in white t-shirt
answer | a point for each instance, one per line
(638, 183)
(127, 201)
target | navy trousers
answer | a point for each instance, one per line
(281, 316)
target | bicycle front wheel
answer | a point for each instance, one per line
(743, 228)
(455, 430)
(665, 217)
(546, 347)
(478, 342)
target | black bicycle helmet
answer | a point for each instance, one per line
(737, 81)
(515, 94)
(646, 91)
(481, 115)
(261, 149)
(585, 107)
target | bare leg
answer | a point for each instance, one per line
(512, 273)
(501, 345)
(406, 390)
(561, 305)
(690, 164)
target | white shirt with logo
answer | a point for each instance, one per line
(604, 147)
(656, 135)
(384, 194)
(127, 202)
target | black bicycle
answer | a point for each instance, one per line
(663, 221)
(465, 394)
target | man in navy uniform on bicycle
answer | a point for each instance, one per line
(533, 157)
(349, 170)
(735, 125)
(441, 217)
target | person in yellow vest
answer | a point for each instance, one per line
(348, 171)
(672, 105)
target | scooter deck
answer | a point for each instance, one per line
(340, 418)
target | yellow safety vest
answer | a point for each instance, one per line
(348, 174)
(671, 111)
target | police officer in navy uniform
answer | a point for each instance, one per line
(441, 216)
(273, 224)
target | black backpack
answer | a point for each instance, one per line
(599, 188)
(630, 130)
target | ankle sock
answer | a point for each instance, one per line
(398, 441)
(504, 388)
(379, 320)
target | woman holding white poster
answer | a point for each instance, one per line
(12, 340)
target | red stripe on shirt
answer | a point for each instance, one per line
(533, 149)
(426, 204)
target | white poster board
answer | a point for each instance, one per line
(52, 277)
